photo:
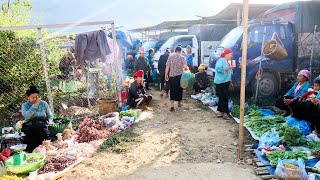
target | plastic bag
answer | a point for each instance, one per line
(266, 112)
(187, 80)
(303, 126)
(230, 104)
(291, 169)
(270, 138)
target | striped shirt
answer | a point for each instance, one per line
(176, 62)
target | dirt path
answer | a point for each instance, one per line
(186, 144)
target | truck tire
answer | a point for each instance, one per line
(268, 86)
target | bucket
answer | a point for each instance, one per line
(106, 105)
(273, 50)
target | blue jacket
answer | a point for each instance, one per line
(190, 60)
(304, 88)
(30, 111)
(220, 77)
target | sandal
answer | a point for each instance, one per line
(226, 117)
(172, 109)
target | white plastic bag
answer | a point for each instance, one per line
(291, 169)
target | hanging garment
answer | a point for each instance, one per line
(91, 46)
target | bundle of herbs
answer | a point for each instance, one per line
(275, 156)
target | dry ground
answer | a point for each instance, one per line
(187, 144)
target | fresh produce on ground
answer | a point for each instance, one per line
(274, 156)
(236, 110)
(291, 166)
(7, 177)
(91, 129)
(260, 125)
(313, 169)
(130, 113)
(314, 146)
(291, 136)
(56, 164)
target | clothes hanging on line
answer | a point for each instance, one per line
(91, 46)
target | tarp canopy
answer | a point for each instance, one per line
(304, 14)
(212, 32)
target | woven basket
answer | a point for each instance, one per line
(106, 106)
(273, 50)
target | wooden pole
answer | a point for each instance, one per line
(118, 65)
(45, 69)
(243, 75)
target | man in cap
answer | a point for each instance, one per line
(137, 95)
(142, 63)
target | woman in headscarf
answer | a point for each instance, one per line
(222, 80)
(137, 94)
(290, 98)
(37, 115)
(175, 65)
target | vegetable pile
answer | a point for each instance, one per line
(91, 129)
(130, 113)
(236, 110)
(291, 136)
(260, 125)
(56, 164)
(274, 156)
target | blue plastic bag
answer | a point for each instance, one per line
(187, 80)
(303, 126)
(266, 112)
(283, 172)
(270, 138)
(230, 104)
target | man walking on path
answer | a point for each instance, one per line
(164, 85)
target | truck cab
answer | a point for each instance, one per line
(173, 42)
(272, 70)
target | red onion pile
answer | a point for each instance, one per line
(56, 164)
(91, 129)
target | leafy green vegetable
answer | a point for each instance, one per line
(314, 146)
(275, 156)
(248, 110)
(260, 125)
(292, 136)
(131, 113)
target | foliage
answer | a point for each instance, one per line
(247, 110)
(275, 156)
(107, 85)
(119, 142)
(260, 125)
(130, 113)
(291, 136)
(20, 59)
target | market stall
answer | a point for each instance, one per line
(75, 142)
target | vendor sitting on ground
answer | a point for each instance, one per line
(285, 103)
(137, 95)
(36, 115)
(202, 80)
(306, 107)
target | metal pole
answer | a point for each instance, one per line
(45, 69)
(118, 63)
(261, 55)
(243, 75)
(313, 43)
(238, 17)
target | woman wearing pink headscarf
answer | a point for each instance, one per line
(300, 87)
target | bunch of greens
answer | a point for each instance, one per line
(314, 146)
(130, 113)
(248, 110)
(291, 136)
(260, 125)
(275, 156)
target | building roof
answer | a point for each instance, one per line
(229, 14)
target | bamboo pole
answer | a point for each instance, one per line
(312, 50)
(45, 69)
(243, 75)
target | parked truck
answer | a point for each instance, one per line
(293, 24)
(202, 38)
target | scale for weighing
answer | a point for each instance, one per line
(19, 156)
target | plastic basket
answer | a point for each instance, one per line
(27, 167)
(57, 128)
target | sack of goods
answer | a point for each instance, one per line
(187, 80)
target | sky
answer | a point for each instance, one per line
(129, 13)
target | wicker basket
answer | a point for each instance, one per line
(106, 106)
(273, 50)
